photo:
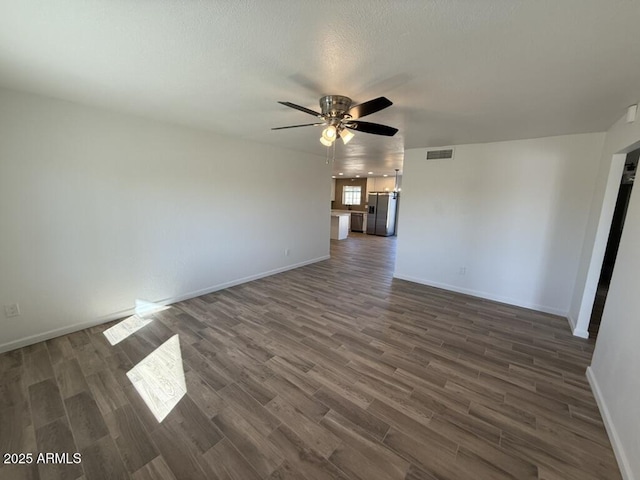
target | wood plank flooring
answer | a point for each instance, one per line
(330, 371)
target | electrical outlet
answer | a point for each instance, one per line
(12, 310)
(287, 252)
(462, 271)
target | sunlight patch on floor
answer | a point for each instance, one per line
(159, 378)
(132, 324)
(126, 327)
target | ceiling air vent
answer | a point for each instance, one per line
(440, 154)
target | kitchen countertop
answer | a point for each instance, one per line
(348, 211)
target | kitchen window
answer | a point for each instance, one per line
(351, 195)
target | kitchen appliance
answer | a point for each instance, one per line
(381, 213)
(357, 221)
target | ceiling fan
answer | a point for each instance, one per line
(338, 116)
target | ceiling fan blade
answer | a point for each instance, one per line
(302, 109)
(372, 106)
(296, 126)
(374, 128)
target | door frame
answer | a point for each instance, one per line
(616, 167)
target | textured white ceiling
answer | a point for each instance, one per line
(457, 71)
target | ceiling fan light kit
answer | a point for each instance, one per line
(329, 133)
(346, 135)
(325, 142)
(338, 116)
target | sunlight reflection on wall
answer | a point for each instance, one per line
(132, 324)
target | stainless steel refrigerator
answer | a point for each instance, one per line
(381, 214)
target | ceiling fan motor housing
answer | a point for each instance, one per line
(335, 106)
(338, 113)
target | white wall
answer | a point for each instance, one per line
(614, 372)
(98, 209)
(513, 214)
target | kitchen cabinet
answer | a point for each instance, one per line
(382, 184)
(340, 225)
(349, 212)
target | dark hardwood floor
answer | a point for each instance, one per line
(333, 370)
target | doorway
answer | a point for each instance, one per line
(613, 241)
(361, 198)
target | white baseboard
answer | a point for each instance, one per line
(578, 332)
(618, 450)
(239, 281)
(40, 337)
(485, 295)
(581, 333)
(57, 332)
